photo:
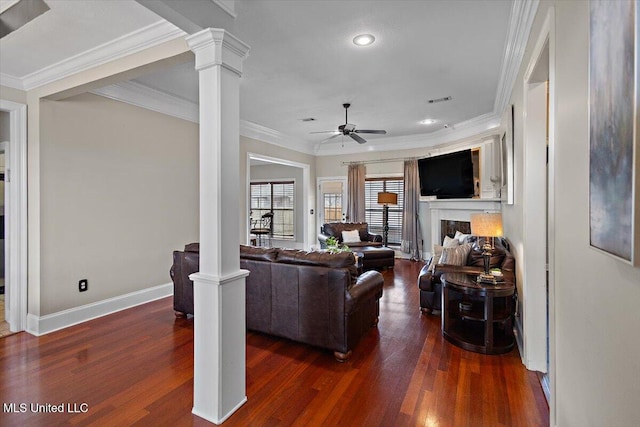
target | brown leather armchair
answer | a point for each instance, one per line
(429, 281)
(335, 229)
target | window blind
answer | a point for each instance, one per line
(373, 210)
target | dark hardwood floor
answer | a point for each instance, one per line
(135, 367)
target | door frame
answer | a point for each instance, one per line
(539, 303)
(16, 216)
(306, 178)
(320, 199)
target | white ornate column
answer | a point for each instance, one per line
(219, 286)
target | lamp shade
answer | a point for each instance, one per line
(385, 198)
(486, 224)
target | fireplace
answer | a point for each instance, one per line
(450, 215)
(449, 227)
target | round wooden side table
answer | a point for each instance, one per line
(477, 316)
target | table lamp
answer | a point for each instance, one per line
(386, 199)
(487, 225)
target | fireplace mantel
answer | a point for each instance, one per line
(456, 210)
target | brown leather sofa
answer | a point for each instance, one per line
(369, 248)
(429, 281)
(310, 297)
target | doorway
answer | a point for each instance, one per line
(15, 213)
(278, 171)
(332, 200)
(538, 211)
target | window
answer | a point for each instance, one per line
(278, 198)
(372, 187)
(332, 207)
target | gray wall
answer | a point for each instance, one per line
(5, 129)
(119, 193)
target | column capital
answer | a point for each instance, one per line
(215, 46)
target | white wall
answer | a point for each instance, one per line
(280, 173)
(597, 378)
(119, 193)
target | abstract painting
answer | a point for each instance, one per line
(613, 216)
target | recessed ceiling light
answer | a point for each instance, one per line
(428, 121)
(363, 40)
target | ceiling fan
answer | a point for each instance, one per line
(350, 130)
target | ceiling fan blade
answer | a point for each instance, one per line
(331, 137)
(328, 131)
(357, 138)
(379, 132)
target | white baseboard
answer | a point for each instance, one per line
(40, 325)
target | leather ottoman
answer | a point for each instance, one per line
(375, 257)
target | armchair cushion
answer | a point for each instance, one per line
(350, 236)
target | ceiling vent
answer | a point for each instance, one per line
(434, 101)
(19, 13)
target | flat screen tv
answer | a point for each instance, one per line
(449, 176)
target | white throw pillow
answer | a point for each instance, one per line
(448, 242)
(352, 236)
(461, 237)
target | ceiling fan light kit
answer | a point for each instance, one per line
(350, 130)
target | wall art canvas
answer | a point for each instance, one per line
(613, 122)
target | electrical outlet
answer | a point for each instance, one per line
(83, 285)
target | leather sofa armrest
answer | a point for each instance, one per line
(425, 279)
(322, 238)
(368, 285)
(374, 237)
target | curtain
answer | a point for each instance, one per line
(411, 233)
(355, 193)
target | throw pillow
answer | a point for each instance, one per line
(448, 242)
(435, 257)
(461, 237)
(455, 256)
(350, 236)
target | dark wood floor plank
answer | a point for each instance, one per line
(135, 367)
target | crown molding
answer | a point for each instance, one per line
(151, 99)
(147, 37)
(475, 128)
(271, 136)
(11, 81)
(521, 19)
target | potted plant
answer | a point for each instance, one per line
(334, 247)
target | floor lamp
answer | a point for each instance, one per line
(386, 199)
